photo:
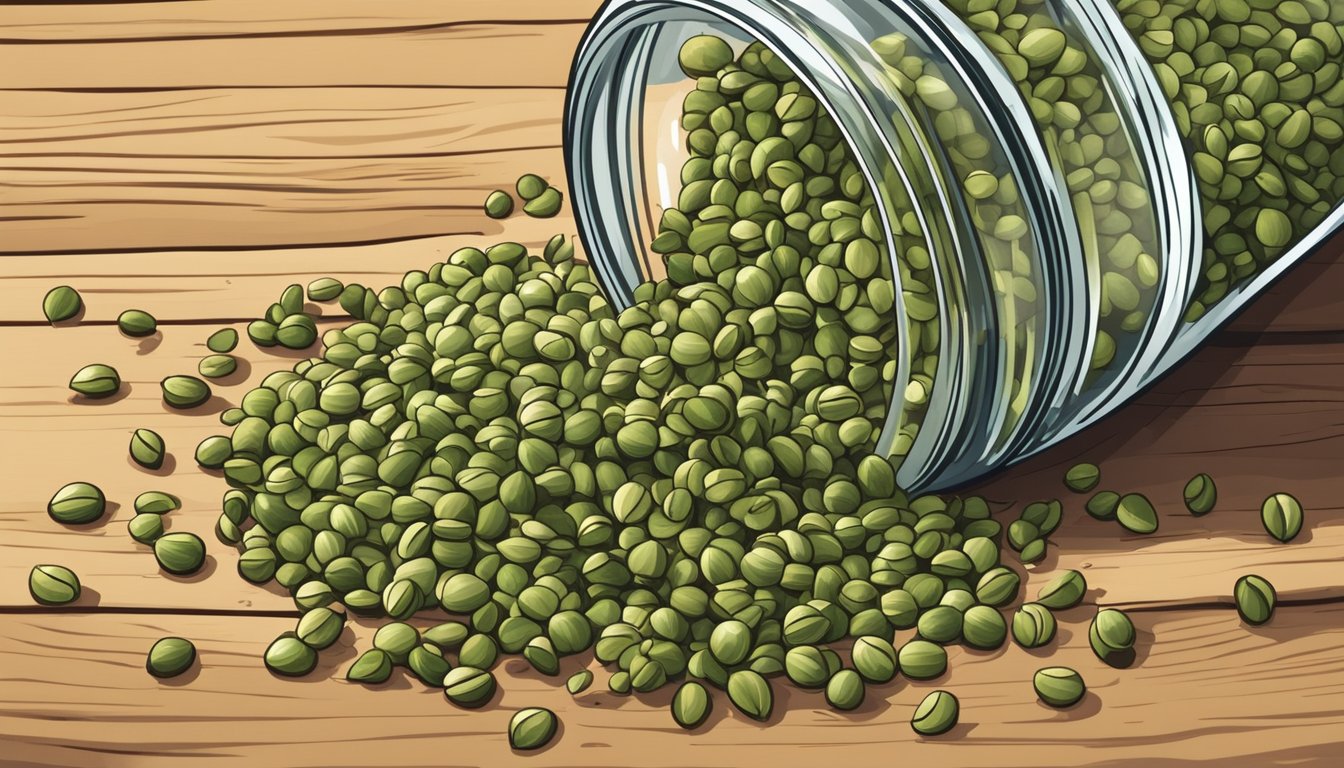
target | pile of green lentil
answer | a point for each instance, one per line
(686, 487)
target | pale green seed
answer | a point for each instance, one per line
(936, 714)
(290, 657)
(77, 504)
(183, 392)
(147, 448)
(498, 205)
(691, 705)
(170, 657)
(135, 322)
(53, 585)
(751, 694)
(222, 341)
(532, 728)
(1282, 516)
(1082, 478)
(1064, 592)
(1059, 687)
(217, 366)
(1135, 512)
(96, 381)
(61, 303)
(1033, 625)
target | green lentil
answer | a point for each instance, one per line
(156, 503)
(845, 690)
(222, 341)
(1112, 636)
(1255, 598)
(922, 660)
(1082, 478)
(372, 667)
(1064, 592)
(1059, 687)
(320, 627)
(61, 303)
(691, 705)
(1033, 625)
(983, 627)
(544, 206)
(532, 728)
(1136, 514)
(498, 204)
(217, 366)
(179, 553)
(184, 392)
(751, 694)
(213, 451)
(147, 448)
(1200, 494)
(135, 322)
(170, 657)
(468, 686)
(936, 714)
(145, 529)
(321, 289)
(1282, 516)
(1104, 505)
(874, 659)
(290, 657)
(77, 504)
(530, 186)
(96, 381)
(53, 585)
(580, 681)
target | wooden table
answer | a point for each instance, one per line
(193, 158)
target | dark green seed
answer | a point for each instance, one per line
(1135, 512)
(147, 448)
(170, 657)
(222, 341)
(372, 667)
(1082, 478)
(690, 705)
(1282, 516)
(53, 585)
(751, 694)
(874, 658)
(532, 728)
(1255, 599)
(498, 204)
(530, 186)
(428, 665)
(1103, 506)
(296, 332)
(580, 681)
(1200, 494)
(320, 627)
(145, 529)
(180, 553)
(262, 333)
(1059, 686)
(983, 627)
(998, 586)
(922, 660)
(96, 381)
(134, 322)
(61, 303)
(845, 690)
(184, 392)
(1111, 635)
(1064, 592)
(546, 205)
(936, 714)
(290, 657)
(77, 504)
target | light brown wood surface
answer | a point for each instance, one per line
(193, 158)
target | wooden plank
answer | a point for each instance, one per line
(1306, 300)
(198, 286)
(319, 202)
(1260, 420)
(209, 131)
(477, 54)
(1206, 689)
(112, 21)
(1286, 435)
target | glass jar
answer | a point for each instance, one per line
(1041, 202)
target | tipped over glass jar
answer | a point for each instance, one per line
(992, 222)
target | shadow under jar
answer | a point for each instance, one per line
(1043, 185)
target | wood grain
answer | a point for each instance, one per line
(37, 23)
(1288, 435)
(1206, 688)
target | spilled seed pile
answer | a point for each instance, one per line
(686, 488)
